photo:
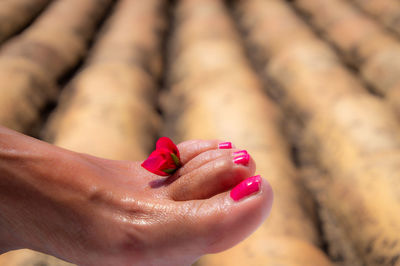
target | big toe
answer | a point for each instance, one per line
(226, 219)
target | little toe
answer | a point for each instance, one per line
(201, 160)
(213, 177)
(192, 148)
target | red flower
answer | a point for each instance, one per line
(165, 160)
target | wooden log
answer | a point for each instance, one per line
(352, 137)
(221, 97)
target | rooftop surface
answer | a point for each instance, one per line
(311, 88)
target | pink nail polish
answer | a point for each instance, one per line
(241, 158)
(246, 187)
(225, 145)
(240, 152)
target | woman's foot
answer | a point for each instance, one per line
(92, 211)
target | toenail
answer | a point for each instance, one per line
(246, 187)
(241, 158)
(240, 152)
(225, 145)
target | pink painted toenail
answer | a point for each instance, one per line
(240, 152)
(225, 145)
(246, 187)
(241, 158)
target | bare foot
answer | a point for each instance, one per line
(92, 211)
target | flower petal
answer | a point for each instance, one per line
(167, 143)
(155, 164)
(165, 159)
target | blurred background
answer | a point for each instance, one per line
(311, 88)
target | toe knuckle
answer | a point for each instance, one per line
(223, 164)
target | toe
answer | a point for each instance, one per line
(222, 222)
(217, 175)
(201, 160)
(192, 148)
